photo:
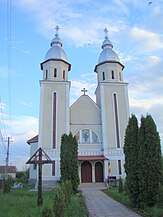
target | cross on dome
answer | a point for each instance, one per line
(57, 29)
(106, 32)
(84, 91)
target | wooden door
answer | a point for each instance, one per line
(99, 172)
(86, 172)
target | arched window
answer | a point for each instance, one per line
(86, 136)
(112, 74)
(55, 73)
(103, 76)
(63, 74)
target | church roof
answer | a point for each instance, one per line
(33, 139)
(85, 111)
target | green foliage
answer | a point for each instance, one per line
(7, 187)
(22, 176)
(76, 207)
(120, 197)
(69, 160)
(143, 161)
(68, 191)
(62, 198)
(150, 162)
(47, 212)
(131, 149)
(23, 203)
(160, 196)
(60, 205)
(120, 187)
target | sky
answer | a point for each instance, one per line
(135, 28)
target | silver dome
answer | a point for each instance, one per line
(56, 51)
(108, 54)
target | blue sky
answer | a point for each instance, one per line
(135, 29)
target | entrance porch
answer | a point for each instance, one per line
(91, 169)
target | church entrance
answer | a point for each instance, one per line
(99, 172)
(86, 172)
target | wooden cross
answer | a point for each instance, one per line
(37, 158)
(84, 91)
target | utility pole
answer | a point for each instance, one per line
(7, 157)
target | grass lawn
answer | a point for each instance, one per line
(124, 199)
(23, 203)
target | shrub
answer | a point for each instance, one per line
(59, 206)
(120, 188)
(160, 196)
(7, 187)
(47, 212)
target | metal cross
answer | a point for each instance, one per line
(57, 28)
(84, 91)
(106, 31)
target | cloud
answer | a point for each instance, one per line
(121, 5)
(23, 128)
(148, 41)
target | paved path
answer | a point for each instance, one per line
(100, 205)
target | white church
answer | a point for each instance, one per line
(99, 126)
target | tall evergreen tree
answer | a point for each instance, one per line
(69, 160)
(131, 159)
(150, 161)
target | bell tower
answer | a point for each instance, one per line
(112, 98)
(54, 96)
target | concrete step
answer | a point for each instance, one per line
(96, 185)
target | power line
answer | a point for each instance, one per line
(9, 60)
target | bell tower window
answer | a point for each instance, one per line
(103, 76)
(55, 73)
(112, 74)
(120, 76)
(63, 74)
(46, 74)
(116, 120)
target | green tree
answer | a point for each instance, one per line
(120, 187)
(131, 150)
(69, 160)
(150, 161)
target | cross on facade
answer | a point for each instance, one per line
(106, 31)
(84, 91)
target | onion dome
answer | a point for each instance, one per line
(56, 51)
(107, 54)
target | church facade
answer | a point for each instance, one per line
(99, 126)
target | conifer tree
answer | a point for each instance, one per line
(69, 160)
(131, 149)
(150, 161)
